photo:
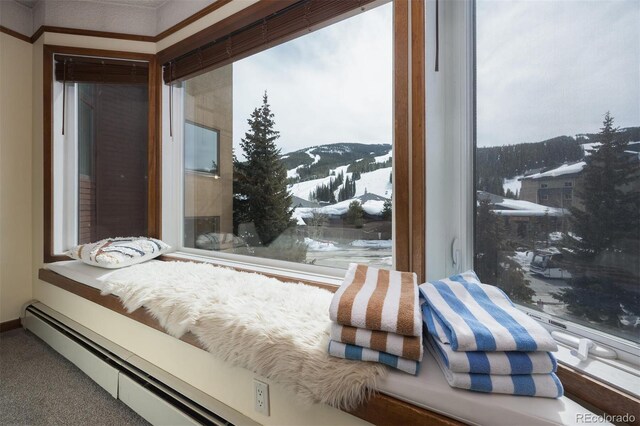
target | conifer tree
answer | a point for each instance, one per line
(493, 261)
(387, 209)
(260, 183)
(603, 255)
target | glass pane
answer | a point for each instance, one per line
(304, 145)
(200, 148)
(557, 158)
(112, 161)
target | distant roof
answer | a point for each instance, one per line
(369, 196)
(565, 169)
(301, 202)
(508, 207)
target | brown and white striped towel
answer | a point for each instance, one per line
(378, 299)
(409, 347)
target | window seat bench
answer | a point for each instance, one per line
(402, 399)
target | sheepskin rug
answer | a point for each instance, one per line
(277, 330)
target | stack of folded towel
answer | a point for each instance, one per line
(482, 342)
(376, 317)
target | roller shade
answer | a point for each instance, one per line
(269, 31)
(82, 69)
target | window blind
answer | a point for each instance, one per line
(286, 24)
(83, 69)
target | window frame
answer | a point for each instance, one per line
(215, 172)
(593, 381)
(408, 72)
(153, 152)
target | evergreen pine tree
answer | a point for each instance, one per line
(260, 183)
(355, 214)
(603, 257)
(493, 261)
(387, 210)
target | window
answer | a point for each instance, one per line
(201, 147)
(288, 153)
(535, 84)
(99, 147)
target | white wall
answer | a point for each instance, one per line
(15, 175)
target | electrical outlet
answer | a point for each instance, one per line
(261, 397)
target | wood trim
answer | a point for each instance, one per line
(10, 325)
(401, 185)
(379, 409)
(386, 410)
(89, 33)
(47, 144)
(191, 19)
(15, 34)
(418, 140)
(124, 36)
(154, 160)
(232, 23)
(154, 205)
(606, 398)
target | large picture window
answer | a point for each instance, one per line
(302, 166)
(557, 163)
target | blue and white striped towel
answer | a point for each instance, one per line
(497, 363)
(479, 317)
(540, 385)
(358, 353)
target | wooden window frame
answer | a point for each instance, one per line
(153, 146)
(409, 115)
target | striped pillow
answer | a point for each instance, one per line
(115, 253)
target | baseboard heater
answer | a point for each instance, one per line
(157, 396)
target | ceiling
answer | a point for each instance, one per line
(154, 4)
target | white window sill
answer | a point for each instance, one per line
(430, 390)
(616, 373)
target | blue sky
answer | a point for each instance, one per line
(544, 68)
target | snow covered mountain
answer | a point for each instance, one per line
(366, 168)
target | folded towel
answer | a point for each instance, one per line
(409, 347)
(378, 299)
(358, 353)
(541, 385)
(496, 363)
(480, 317)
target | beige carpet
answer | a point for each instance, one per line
(40, 387)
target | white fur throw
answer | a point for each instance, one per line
(277, 330)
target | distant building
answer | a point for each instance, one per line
(554, 188)
(560, 187)
(521, 216)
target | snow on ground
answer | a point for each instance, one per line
(555, 236)
(314, 157)
(375, 182)
(525, 208)
(303, 189)
(315, 245)
(513, 184)
(565, 169)
(523, 258)
(372, 207)
(372, 243)
(293, 173)
(383, 158)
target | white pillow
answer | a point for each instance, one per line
(115, 253)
